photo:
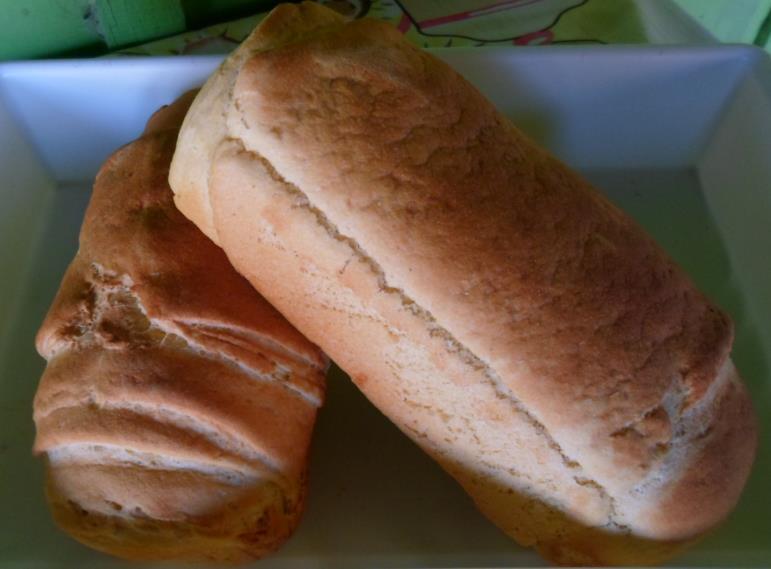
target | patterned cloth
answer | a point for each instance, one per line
(448, 23)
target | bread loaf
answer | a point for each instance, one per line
(520, 328)
(176, 409)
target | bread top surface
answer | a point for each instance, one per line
(200, 135)
(157, 345)
(134, 241)
(570, 308)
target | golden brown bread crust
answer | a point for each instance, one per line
(517, 325)
(177, 406)
(285, 24)
(239, 523)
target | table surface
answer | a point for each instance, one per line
(85, 28)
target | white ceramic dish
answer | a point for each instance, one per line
(679, 137)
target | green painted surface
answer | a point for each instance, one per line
(38, 28)
(732, 21)
(54, 28)
(125, 22)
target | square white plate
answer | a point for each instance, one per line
(679, 137)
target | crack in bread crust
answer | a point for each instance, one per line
(120, 455)
(112, 313)
(225, 442)
(453, 345)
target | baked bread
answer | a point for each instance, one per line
(177, 406)
(520, 328)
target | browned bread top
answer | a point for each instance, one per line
(177, 406)
(376, 175)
